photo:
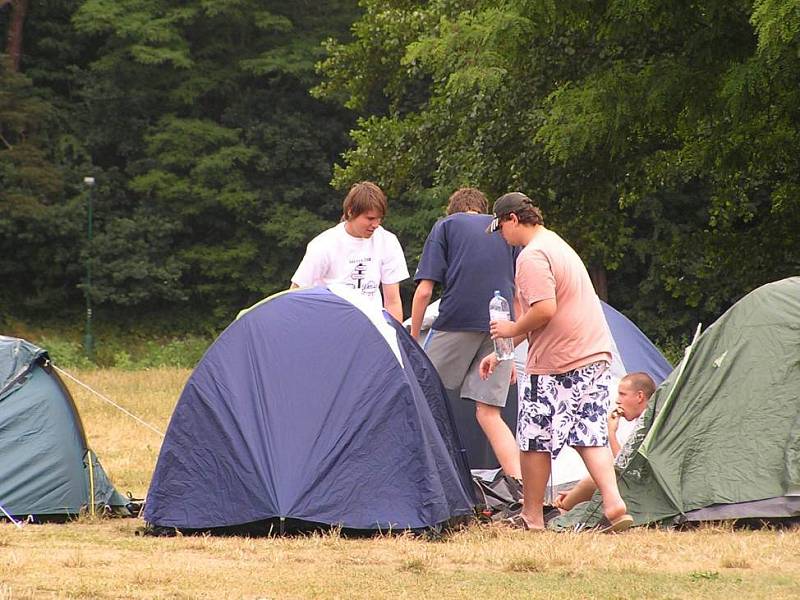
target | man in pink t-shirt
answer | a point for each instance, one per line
(569, 356)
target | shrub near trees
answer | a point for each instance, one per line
(661, 138)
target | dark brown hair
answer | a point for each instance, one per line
(466, 199)
(362, 197)
(528, 215)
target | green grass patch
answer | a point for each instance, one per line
(130, 354)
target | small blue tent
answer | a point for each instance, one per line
(310, 408)
(47, 470)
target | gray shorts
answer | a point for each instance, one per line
(457, 356)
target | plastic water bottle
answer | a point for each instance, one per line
(499, 311)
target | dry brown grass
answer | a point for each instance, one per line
(127, 450)
(95, 558)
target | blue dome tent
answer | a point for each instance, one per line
(311, 409)
(633, 351)
(47, 471)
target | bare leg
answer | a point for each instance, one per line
(600, 463)
(535, 473)
(500, 438)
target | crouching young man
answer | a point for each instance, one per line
(633, 395)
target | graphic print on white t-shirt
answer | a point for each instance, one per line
(358, 279)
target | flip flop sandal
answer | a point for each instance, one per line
(618, 525)
(519, 522)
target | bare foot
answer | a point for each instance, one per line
(533, 521)
(614, 509)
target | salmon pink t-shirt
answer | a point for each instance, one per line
(577, 335)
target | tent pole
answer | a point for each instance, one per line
(91, 482)
(657, 423)
(12, 519)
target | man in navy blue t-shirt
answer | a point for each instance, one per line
(470, 266)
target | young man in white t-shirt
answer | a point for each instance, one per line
(358, 252)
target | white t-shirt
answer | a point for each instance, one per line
(363, 264)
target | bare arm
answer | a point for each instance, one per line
(517, 307)
(422, 297)
(392, 301)
(294, 286)
(537, 317)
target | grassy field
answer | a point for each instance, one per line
(95, 558)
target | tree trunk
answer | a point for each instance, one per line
(600, 281)
(15, 27)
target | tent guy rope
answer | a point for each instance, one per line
(111, 402)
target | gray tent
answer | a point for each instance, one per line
(47, 469)
(721, 439)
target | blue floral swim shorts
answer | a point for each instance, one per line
(569, 408)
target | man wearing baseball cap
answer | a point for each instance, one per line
(569, 357)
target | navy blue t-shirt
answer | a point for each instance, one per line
(470, 264)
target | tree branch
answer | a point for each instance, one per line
(15, 28)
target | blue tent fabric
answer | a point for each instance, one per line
(301, 410)
(44, 467)
(636, 351)
(17, 357)
(434, 392)
(46, 471)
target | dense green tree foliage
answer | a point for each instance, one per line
(660, 137)
(212, 162)
(39, 225)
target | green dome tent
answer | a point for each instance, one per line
(721, 439)
(47, 470)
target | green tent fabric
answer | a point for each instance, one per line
(721, 438)
(45, 470)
